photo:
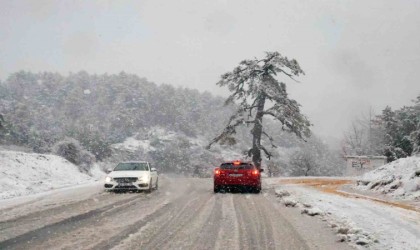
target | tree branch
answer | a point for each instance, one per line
(229, 129)
(267, 153)
(292, 127)
(289, 75)
(270, 138)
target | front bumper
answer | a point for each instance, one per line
(138, 185)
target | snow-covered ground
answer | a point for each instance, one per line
(399, 179)
(29, 173)
(360, 222)
(143, 141)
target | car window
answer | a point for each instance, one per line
(132, 166)
(230, 165)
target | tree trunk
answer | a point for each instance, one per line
(257, 132)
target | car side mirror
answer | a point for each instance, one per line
(153, 170)
(261, 170)
(108, 171)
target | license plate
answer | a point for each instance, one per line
(235, 175)
(125, 184)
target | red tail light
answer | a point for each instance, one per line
(217, 171)
(255, 172)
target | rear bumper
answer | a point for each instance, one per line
(237, 182)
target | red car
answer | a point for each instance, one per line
(237, 174)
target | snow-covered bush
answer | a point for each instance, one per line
(281, 192)
(71, 150)
(174, 156)
(289, 202)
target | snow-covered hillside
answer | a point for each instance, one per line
(143, 141)
(170, 148)
(29, 173)
(400, 179)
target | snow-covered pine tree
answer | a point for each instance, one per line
(400, 131)
(415, 135)
(255, 85)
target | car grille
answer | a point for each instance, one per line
(126, 179)
(126, 187)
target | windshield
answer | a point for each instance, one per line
(136, 166)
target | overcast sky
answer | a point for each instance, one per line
(356, 54)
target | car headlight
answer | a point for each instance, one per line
(144, 178)
(108, 179)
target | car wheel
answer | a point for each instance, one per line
(157, 185)
(257, 190)
(149, 190)
(216, 189)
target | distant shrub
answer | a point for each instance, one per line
(71, 150)
(95, 143)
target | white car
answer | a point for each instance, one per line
(132, 175)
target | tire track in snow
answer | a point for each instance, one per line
(107, 231)
(262, 227)
(208, 233)
(63, 208)
(131, 230)
(251, 225)
(62, 227)
(179, 217)
(228, 237)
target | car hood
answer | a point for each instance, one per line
(114, 174)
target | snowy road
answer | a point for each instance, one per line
(183, 214)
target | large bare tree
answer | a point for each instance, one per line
(254, 83)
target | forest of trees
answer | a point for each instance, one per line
(97, 110)
(393, 133)
(79, 116)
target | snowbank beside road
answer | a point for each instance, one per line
(363, 223)
(29, 173)
(400, 179)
